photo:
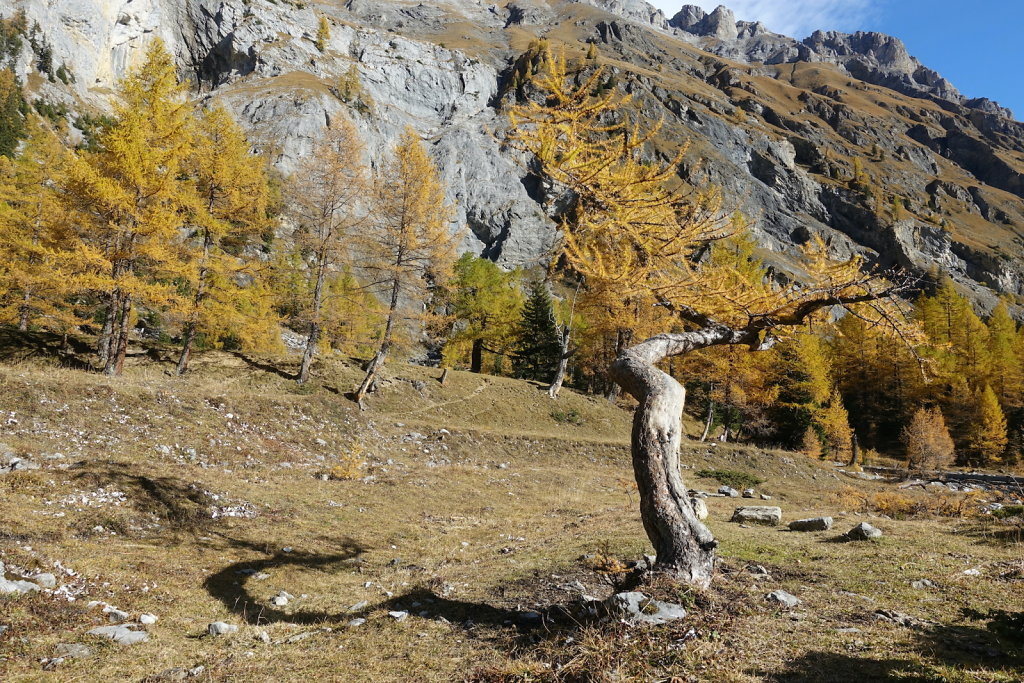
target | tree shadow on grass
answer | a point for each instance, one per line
(833, 667)
(182, 506)
(230, 585)
(266, 367)
(17, 345)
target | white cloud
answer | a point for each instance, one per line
(797, 18)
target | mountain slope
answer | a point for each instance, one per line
(841, 135)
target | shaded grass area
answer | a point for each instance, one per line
(200, 498)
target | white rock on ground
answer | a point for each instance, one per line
(811, 524)
(123, 634)
(783, 598)
(220, 628)
(637, 608)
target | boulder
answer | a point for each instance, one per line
(758, 514)
(811, 524)
(863, 532)
(783, 598)
(729, 491)
(16, 587)
(748, 493)
(700, 508)
(637, 608)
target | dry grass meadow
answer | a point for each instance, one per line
(482, 508)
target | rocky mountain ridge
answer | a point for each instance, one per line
(843, 135)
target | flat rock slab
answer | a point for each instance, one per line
(16, 587)
(638, 608)
(783, 598)
(758, 514)
(811, 524)
(122, 633)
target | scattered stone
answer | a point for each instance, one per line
(972, 572)
(700, 508)
(531, 617)
(748, 493)
(899, 618)
(783, 598)
(3, 628)
(72, 650)
(398, 615)
(359, 606)
(354, 623)
(758, 570)
(852, 629)
(45, 580)
(765, 496)
(148, 619)
(636, 608)
(116, 616)
(811, 524)
(729, 491)
(121, 633)
(758, 514)
(16, 587)
(922, 584)
(219, 628)
(279, 601)
(263, 637)
(863, 532)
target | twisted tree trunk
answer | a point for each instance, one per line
(685, 548)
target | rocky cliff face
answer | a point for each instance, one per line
(783, 125)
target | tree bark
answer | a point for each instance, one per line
(119, 338)
(314, 326)
(476, 363)
(709, 419)
(385, 346)
(193, 324)
(854, 451)
(107, 332)
(684, 546)
(26, 309)
(563, 363)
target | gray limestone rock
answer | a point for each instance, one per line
(123, 634)
(638, 608)
(811, 524)
(863, 532)
(72, 650)
(758, 514)
(220, 628)
(783, 598)
(700, 508)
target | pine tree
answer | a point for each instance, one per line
(487, 305)
(987, 437)
(408, 247)
(928, 444)
(13, 113)
(133, 199)
(538, 346)
(328, 192)
(232, 189)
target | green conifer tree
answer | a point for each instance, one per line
(538, 347)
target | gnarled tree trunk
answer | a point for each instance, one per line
(685, 548)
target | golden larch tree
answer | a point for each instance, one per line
(38, 271)
(987, 436)
(329, 192)
(632, 223)
(133, 198)
(408, 246)
(927, 440)
(229, 217)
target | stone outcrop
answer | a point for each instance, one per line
(777, 127)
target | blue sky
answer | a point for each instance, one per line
(976, 45)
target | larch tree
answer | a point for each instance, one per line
(1007, 359)
(133, 199)
(38, 272)
(987, 437)
(487, 303)
(229, 217)
(407, 248)
(927, 440)
(630, 222)
(329, 192)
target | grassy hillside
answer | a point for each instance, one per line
(475, 503)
